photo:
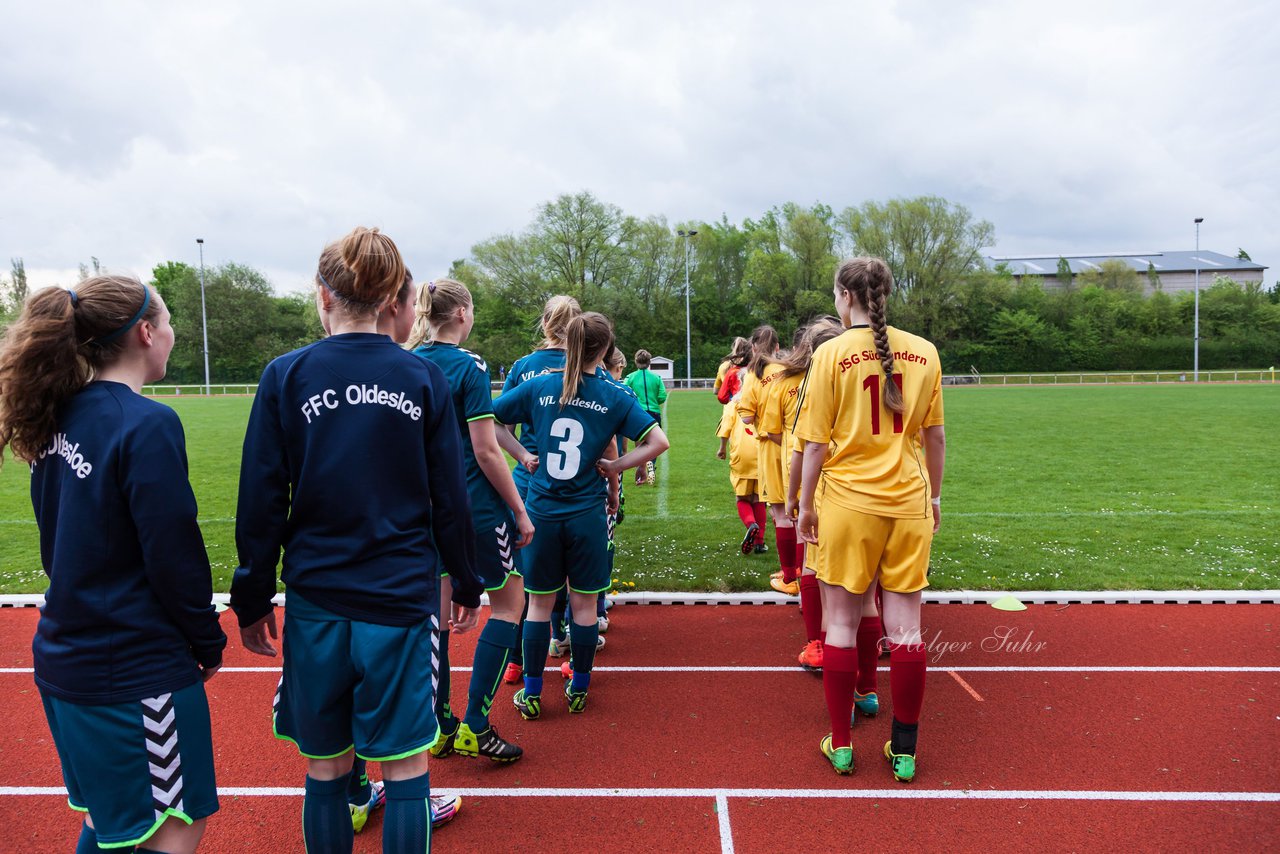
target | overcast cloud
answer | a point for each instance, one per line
(129, 129)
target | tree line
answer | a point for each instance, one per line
(775, 268)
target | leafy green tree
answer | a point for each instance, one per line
(1153, 278)
(1241, 255)
(930, 244)
(17, 289)
(1112, 274)
(1064, 275)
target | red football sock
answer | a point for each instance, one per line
(906, 680)
(811, 605)
(799, 557)
(839, 676)
(759, 509)
(786, 543)
(746, 512)
(869, 634)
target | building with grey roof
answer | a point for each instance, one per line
(1176, 270)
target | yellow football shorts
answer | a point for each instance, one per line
(854, 548)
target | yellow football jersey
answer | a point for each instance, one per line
(779, 417)
(720, 373)
(751, 399)
(743, 451)
(874, 465)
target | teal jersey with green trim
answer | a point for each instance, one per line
(571, 438)
(469, 389)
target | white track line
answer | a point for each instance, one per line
(722, 818)
(899, 793)
(798, 671)
(931, 597)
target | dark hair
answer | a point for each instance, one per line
(402, 295)
(59, 342)
(809, 338)
(362, 270)
(643, 359)
(764, 344)
(587, 337)
(869, 281)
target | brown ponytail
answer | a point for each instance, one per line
(764, 345)
(869, 281)
(436, 301)
(363, 270)
(587, 337)
(739, 353)
(56, 346)
(811, 337)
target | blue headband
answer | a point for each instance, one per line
(146, 301)
(341, 297)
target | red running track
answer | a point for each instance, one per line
(1014, 750)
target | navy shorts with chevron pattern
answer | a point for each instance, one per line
(497, 558)
(132, 765)
(348, 683)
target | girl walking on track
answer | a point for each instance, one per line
(352, 465)
(868, 502)
(778, 422)
(445, 315)
(556, 314)
(365, 795)
(128, 633)
(738, 445)
(575, 416)
(760, 374)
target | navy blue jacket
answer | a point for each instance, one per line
(353, 465)
(128, 613)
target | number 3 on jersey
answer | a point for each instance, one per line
(563, 462)
(872, 385)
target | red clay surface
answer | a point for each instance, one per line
(1147, 732)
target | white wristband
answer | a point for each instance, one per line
(936, 502)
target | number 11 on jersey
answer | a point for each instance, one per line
(872, 385)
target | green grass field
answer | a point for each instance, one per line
(1057, 488)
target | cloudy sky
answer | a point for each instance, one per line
(128, 129)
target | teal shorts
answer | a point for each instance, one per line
(497, 558)
(351, 684)
(132, 765)
(573, 550)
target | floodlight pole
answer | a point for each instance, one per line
(204, 320)
(1195, 372)
(688, 336)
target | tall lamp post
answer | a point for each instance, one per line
(204, 319)
(1195, 373)
(688, 336)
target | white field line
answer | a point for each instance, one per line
(664, 473)
(977, 514)
(722, 818)
(900, 793)
(798, 671)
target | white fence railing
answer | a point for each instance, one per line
(1264, 375)
(216, 389)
